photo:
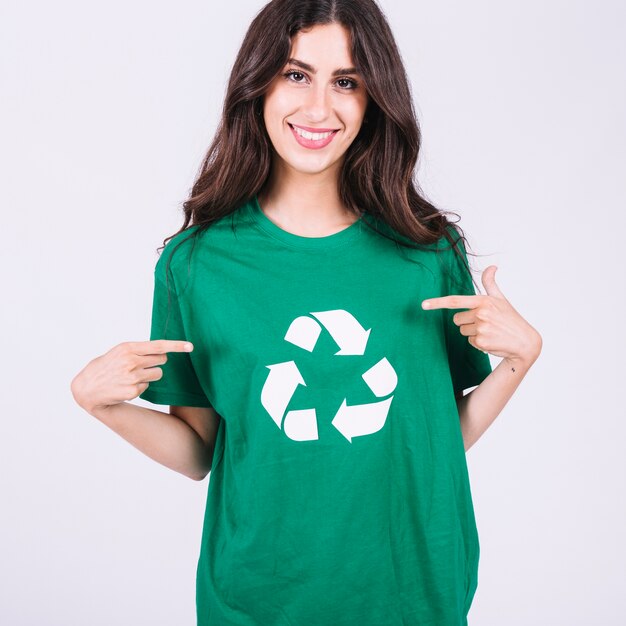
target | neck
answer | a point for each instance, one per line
(305, 203)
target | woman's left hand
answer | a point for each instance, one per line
(492, 324)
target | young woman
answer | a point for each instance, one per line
(334, 327)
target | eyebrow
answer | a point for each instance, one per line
(310, 68)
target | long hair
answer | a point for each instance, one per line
(378, 175)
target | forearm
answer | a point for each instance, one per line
(165, 438)
(479, 408)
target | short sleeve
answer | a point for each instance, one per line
(179, 384)
(469, 366)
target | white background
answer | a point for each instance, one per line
(106, 112)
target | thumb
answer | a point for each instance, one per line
(489, 282)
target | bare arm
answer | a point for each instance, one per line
(493, 325)
(479, 408)
(167, 439)
(184, 440)
(205, 421)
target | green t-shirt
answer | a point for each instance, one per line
(339, 492)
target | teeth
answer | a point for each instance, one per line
(314, 136)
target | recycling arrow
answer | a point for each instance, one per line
(283, 379)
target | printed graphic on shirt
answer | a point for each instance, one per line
(283, 379)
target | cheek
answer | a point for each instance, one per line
(354, 121)
(279, 105)
(354, 110)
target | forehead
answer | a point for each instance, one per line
(323, 46)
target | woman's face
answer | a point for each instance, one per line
(314, 91)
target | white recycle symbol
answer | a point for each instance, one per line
(284, 378)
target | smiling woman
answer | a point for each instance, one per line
(325, 402)
(322, 107)
(312, 115)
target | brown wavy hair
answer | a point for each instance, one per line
(378, 176)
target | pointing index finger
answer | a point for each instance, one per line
(161, 346)
(451, 302)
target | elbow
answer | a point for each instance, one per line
(202, 465)
(199, 476)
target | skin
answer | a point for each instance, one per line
(301, 197)
(492, 325)
(184, 440)
(302, 194)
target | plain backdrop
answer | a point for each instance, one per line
(106, 112)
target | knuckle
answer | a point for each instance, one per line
(129, 361)
(140, 388)
(116, 349)
(482, 314)
(124, 351)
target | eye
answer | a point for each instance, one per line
(352, 84)
(293, 73)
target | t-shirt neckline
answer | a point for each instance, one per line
(297, 241)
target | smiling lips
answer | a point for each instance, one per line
(314, 140)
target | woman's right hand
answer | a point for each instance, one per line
(122, 373)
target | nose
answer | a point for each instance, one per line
(316, 106)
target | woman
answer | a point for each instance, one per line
(323, 394)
